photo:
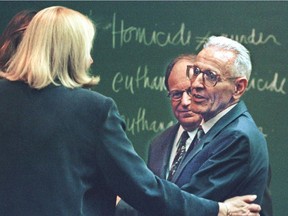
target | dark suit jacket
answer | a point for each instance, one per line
(64, 152)
(231, 159)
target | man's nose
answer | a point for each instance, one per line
(186, 99)
(197, 81)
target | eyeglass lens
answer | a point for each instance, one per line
(210, 78)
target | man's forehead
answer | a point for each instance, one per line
(215, 53)
(216, 59)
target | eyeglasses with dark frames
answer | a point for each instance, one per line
(176, 95)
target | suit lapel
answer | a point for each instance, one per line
(161, 163)
(238, 110)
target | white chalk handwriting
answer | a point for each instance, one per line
(262, 131)
(140, 123)
(128, 34)
(141, 79)
(122, 34)
(254, 38)
(276, 85)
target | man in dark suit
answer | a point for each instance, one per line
(164, 150)
(232, 157)
(161, 149)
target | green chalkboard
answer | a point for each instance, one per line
(136, 40)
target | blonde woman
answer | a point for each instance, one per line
(63, 148)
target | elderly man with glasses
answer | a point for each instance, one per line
(234, 158)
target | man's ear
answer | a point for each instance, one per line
(240, 87)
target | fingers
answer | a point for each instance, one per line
(242, 206)
(244, 214)
(248, 198)
(245, 198)
(254, 208)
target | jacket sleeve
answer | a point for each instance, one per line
(128, 176)
(228, 171)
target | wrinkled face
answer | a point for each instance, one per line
(209, 101)
(181, 108)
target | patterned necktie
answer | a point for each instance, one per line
(179, 154)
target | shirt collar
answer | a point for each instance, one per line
(211, 122)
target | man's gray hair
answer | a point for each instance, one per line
(242, 63)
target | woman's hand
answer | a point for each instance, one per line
(239, 206)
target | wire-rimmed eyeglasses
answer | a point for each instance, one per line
(176, 95)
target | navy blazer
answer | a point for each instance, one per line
(64, 152)
(230, 160)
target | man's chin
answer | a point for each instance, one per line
(189, 124)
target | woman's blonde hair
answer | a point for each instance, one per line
(55, 48)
